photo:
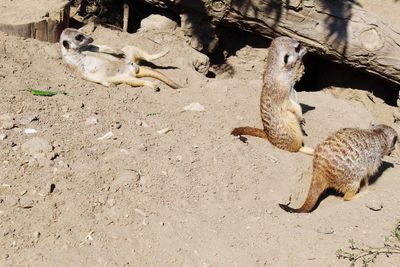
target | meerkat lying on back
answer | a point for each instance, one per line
(346, 158)
(280, 109)
(106, 65)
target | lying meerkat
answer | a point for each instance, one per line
(346, 158)
(281, 113)
(106, 65)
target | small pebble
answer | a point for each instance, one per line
(7, 125)
(26, 202)
(27, 118)
(36, 145)
(325, 230)
(91, 121)
(164, 131)
(111, 202)
(3, 136)
(11, 201)
(65, 109)
(106, 136)
(374, 205)
(7, 121)
(30, 131)
(194, 107)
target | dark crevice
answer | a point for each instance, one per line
(321, 73)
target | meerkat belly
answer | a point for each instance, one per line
(282, 128)
(102, 67)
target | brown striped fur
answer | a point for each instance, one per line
(281, 113)
(346, 158)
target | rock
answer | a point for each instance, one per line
(127, 177)
(52, 52)
(27, 118)
(3, 136)
(201, 63)
(141, 123)
(11, 201)
(374, 205)
(327, 230)
(26, 202)
(36, 145)
(7, 124)
(30, 131)
(7, 121)
(91, 121)
(106, 136)
(164, 131)
(65, 108)
(158, 22)
(194, 107)
(111, 202)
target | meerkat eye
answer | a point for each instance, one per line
(297, 49)
(79, 37)
(286, 58)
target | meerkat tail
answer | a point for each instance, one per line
(249, 131)
(135, 54)
(146, 72)
(317, 187)
(307, 150)
(125, 16)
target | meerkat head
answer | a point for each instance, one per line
(390, 137)
(284, 60)
(286, 52)
(74, 39)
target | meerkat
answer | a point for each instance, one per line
(346, 158)
(106, 65)
(280, 109)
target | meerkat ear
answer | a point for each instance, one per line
(65, 44)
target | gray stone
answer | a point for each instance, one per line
(158, 22)
(26, 202)
(27, 118)
(36, 145)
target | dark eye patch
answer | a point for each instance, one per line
(286, 58)
(297, 49)
(65, 44)
(79, 37)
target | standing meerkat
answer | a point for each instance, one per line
(281, 113)
(346, 158)
(106, 65)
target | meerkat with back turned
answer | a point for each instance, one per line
(346, 158)
(106, 65)
(281, 113)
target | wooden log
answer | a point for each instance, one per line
(345, 31)
(40, 19)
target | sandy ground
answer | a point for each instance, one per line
(194, 196)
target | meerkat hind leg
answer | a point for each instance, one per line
(134, 82)
(351, 192)
(136, 54)
(350, 195)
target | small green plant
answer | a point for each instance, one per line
(367, 254)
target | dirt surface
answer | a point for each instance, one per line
(27, 11)
(192, 195)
